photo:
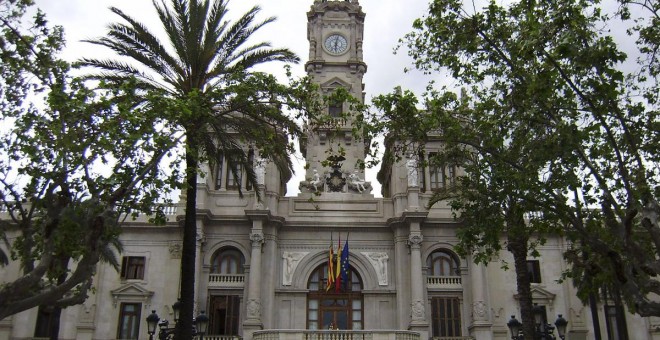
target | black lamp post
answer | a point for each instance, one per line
(561, 324)
(515, 327)
(165, 332)
(152, 323)
(543, 331)
(201, 325)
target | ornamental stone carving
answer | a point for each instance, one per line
(479, 310)
(175, 250)
(379, 262)
(289, 265)
(415, 240)
(254, 309)
(257, 239)
(418, 311)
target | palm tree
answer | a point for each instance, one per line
(200, 74)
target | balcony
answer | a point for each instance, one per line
(294, 334)
(444, 282)
(226, 280)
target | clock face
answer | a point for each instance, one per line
(336, 44)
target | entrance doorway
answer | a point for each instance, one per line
(224, 315)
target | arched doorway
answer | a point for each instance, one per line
(337, 308)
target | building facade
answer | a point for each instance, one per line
(262, 267)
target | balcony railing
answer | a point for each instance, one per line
(294, 334)
(220, 337)
(444, 282)
(452, 338)
(226, 280)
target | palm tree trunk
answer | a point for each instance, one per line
(189, 249)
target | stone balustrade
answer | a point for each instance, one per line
(444, 282)
(226, 280)
(220, 337)
(294, 334)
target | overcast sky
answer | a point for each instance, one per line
(386, 22)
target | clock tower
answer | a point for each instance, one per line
(335, 31)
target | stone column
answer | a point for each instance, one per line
(253, 320)
(418, 307)
(253, 302)
(418, 320)
(481, 319)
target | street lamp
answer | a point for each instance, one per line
(514, 326)
(176, 309)
(201, 325)
(165, 332)
(561, 324)
(543, 331)
(152, 323)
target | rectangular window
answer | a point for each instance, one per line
(534, 271)
(446, 316)
(616, 323)
(234, 182)
(224, 316)
(451, 174)
(219, 173)
(421, 174)
(436, 172)
(129, 321)
(335, 109)
(132, 267)
(44, 322)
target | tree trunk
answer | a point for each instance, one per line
(189, 249)
(57, 310)
(517, 245)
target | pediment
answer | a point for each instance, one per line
(131, 292)
(334, 83)
(540, 296)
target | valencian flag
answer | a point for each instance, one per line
(345, 267)
(331, 267)
(338, 266)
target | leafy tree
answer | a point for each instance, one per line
(552, 125)
(204, 74)
(72, 162)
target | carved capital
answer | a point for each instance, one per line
(257, 239)
(415, 240)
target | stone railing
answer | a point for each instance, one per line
(452, 338)
(220, 337)
(226, 280)
(293, 334)
(444, 282)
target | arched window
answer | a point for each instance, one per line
(442, 263)
(227, 261)
(334, 308)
